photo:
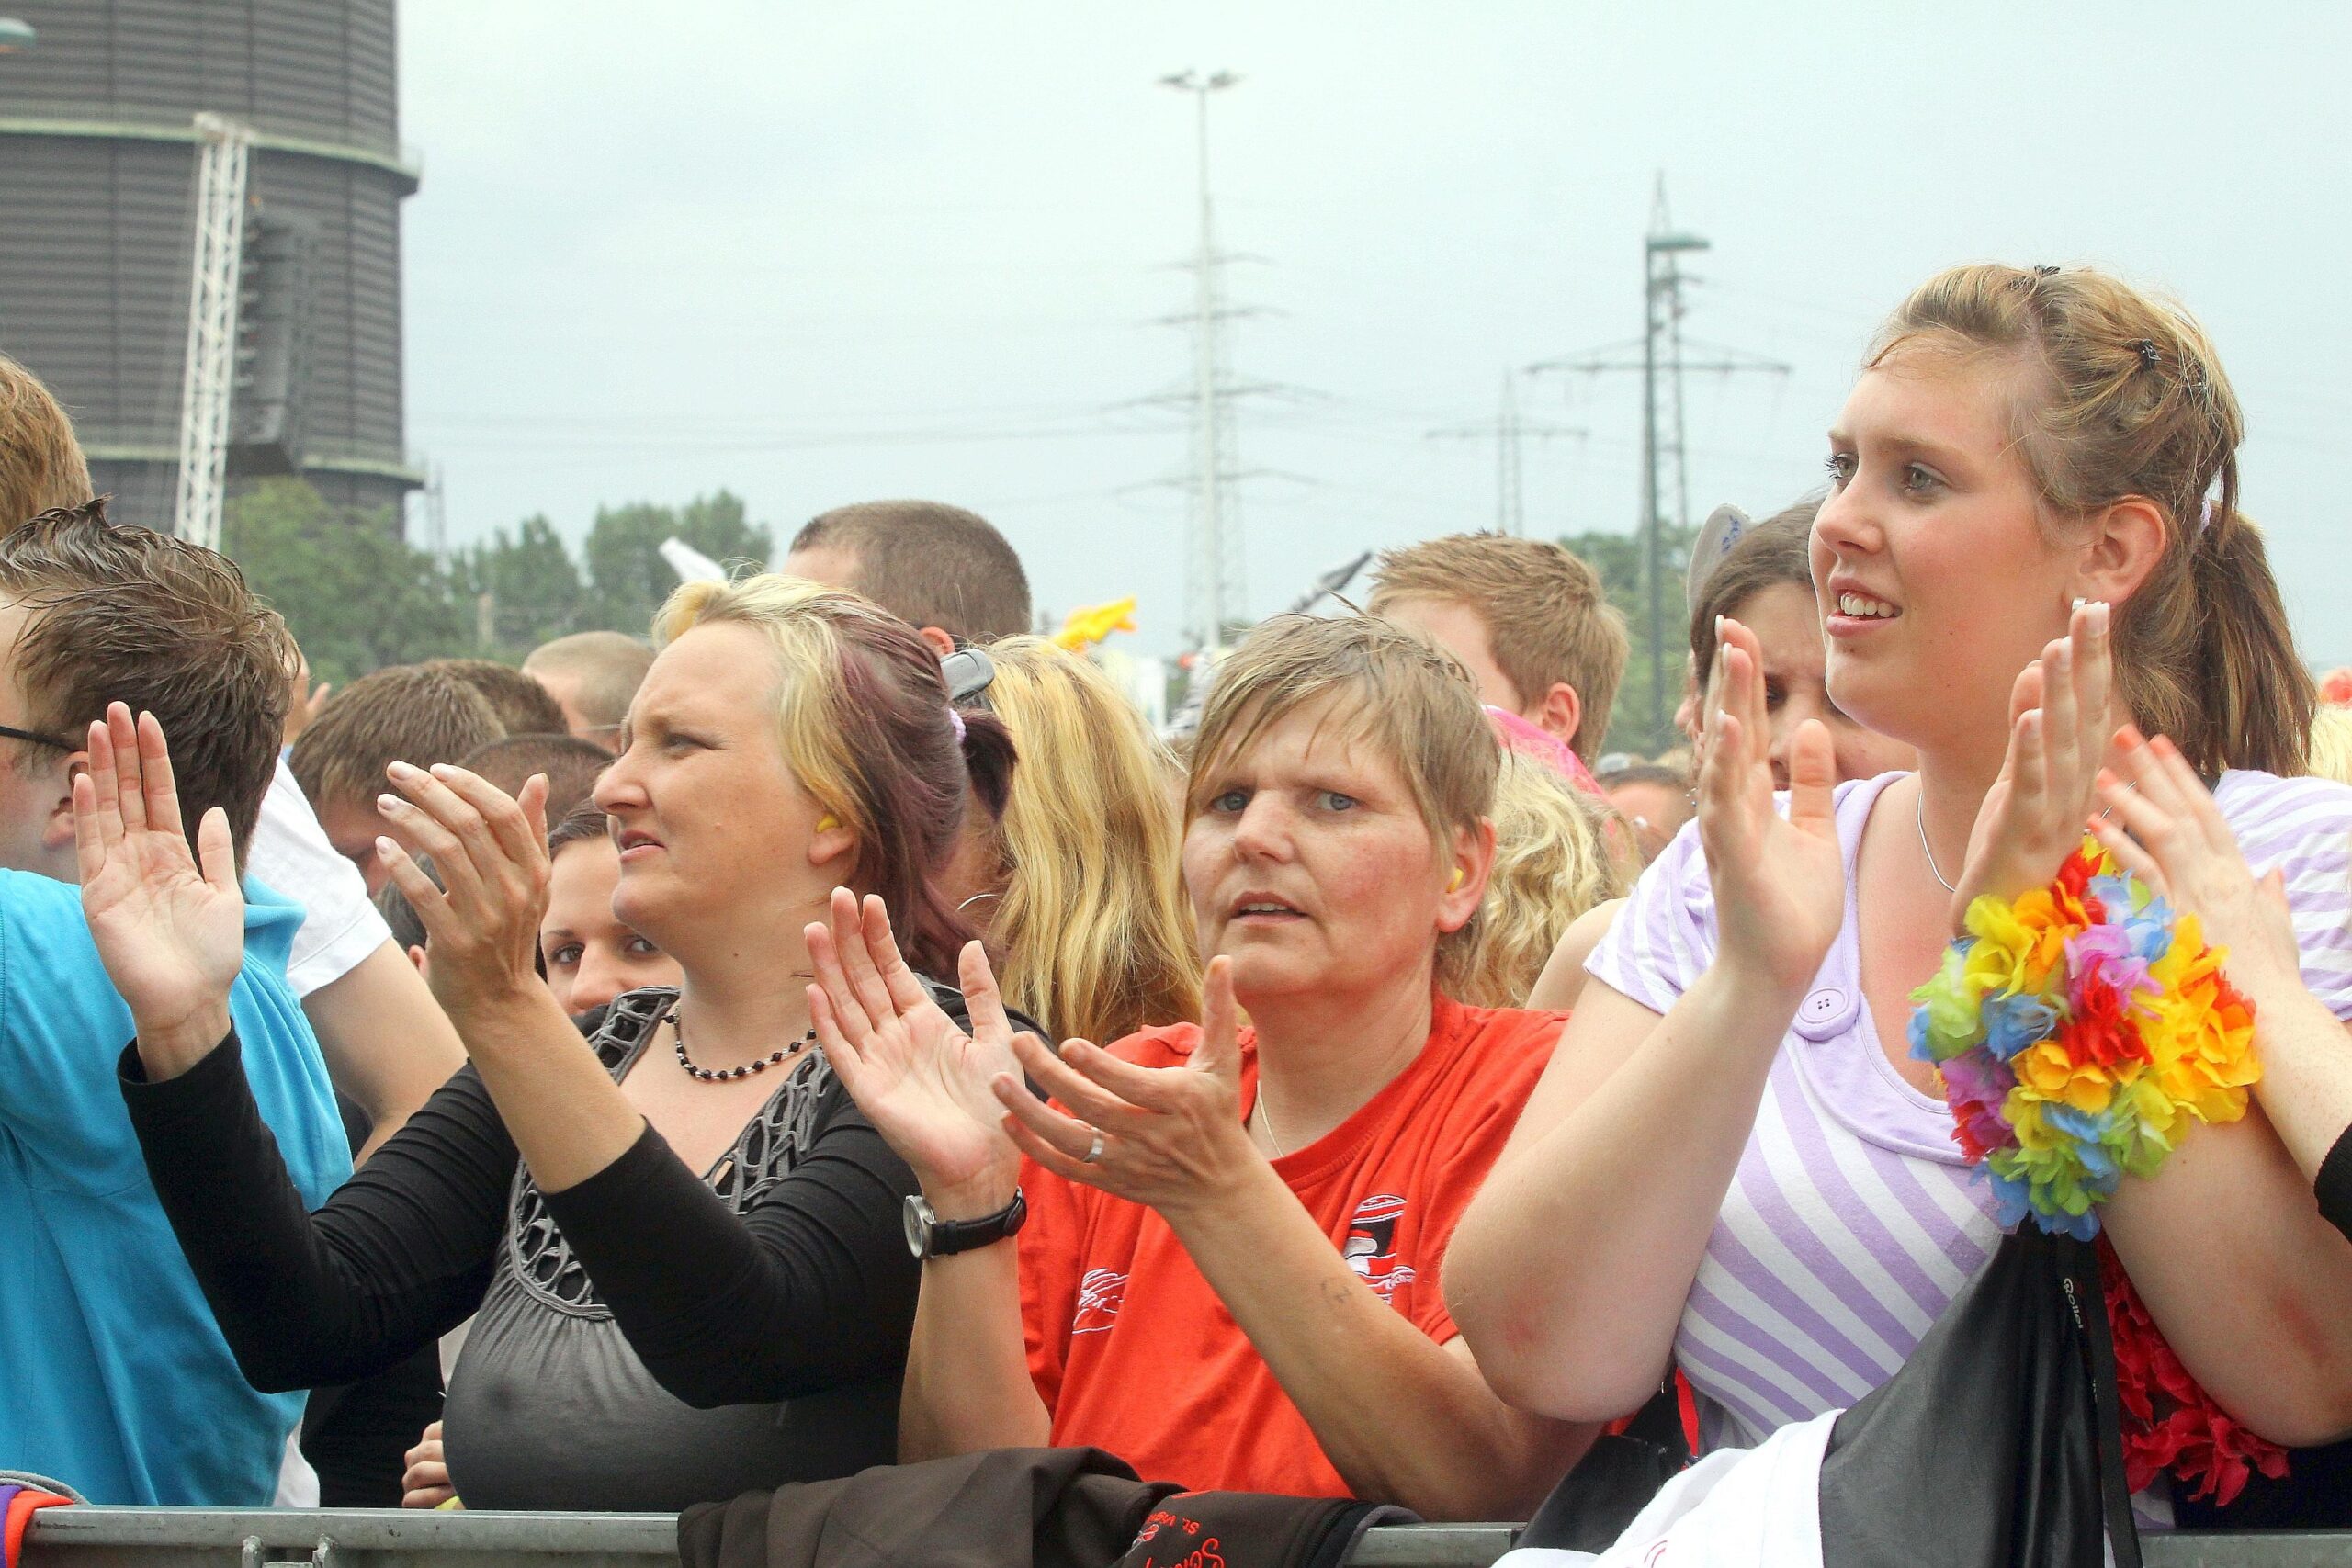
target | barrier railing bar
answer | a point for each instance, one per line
(394, 1538)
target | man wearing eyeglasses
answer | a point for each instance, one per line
(117, 1381)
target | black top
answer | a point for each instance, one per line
(2335, 1184)
(784, 1277)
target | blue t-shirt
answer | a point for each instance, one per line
(113, 1376)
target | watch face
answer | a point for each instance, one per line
(918, 1217)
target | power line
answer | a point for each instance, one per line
(1506, 430)
(1659, 355)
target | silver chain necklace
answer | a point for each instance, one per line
(1266, 1118)
(1928, 850)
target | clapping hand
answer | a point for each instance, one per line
(924, 1083)
(169, 923)
(1780, 882)
(1165, 1137)
(2162, 826)
(2060, 714)
(482, 922)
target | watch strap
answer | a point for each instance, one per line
(947, 1237)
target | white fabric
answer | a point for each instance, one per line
(1755, 1507)
(290, 854)
(298, 1484)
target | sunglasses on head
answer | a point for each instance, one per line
(968, 672)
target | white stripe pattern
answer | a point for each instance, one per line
(1812, 1224)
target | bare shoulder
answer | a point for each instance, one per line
(1562, 978)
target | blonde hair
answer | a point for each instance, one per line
(863, 721)
(41, 466)
(2124, 397)
(1412, 700)
(1551, 866)
(1547, 617)
(1097, 938)
(2331, 744)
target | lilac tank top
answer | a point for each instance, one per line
(1852, 1221)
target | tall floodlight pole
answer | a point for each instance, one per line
(1665, 473)
(224, 150)
(1217, 594)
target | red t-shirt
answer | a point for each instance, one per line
(1131, 1350)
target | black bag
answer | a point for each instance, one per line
(1617, 1476)
(1999, 1441)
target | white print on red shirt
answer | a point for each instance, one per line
(1371, 1246)
(1100, 1295)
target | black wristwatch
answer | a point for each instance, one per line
(928, 1236)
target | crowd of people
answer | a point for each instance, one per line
(837, 1031)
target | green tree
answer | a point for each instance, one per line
(628, 578)
(523, 587)
(1618, 558)
(356, 595)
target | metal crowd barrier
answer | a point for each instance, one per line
(392, 1537)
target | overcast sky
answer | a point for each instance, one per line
(817, 254)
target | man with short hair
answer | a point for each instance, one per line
(416, 713)
(1655, 800)
(1527, 618)
(572, 766)
(41, 463)
(522, 702)
(118, 1382)
(593, 677)
(943, 571)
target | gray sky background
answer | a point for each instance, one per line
(823, 253)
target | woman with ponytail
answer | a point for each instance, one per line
(2031, 556)
(681, 1249)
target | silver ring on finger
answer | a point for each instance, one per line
(1093, 1150)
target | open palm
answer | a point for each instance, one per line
(2061, 719)
(1780, 882)
(921, 1080)
(169, 923)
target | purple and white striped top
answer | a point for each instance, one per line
(1853, 1221)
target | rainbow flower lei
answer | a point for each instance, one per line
(2077, 1032)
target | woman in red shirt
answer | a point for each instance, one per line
(1228, 1269)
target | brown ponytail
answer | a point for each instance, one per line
(2259, 698)
(2124, 398)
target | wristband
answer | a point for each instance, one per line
(2076, 1034)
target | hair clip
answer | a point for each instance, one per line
(2150, 355)
(2045, 272)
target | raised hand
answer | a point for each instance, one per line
(924, 1083)
(2162, 825)
(2062, 713)
(169, 924)
(1780, 882)
(1166, 1137)
(483, 923)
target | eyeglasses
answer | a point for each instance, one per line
(13, 733)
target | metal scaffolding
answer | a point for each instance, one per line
(207, 385)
